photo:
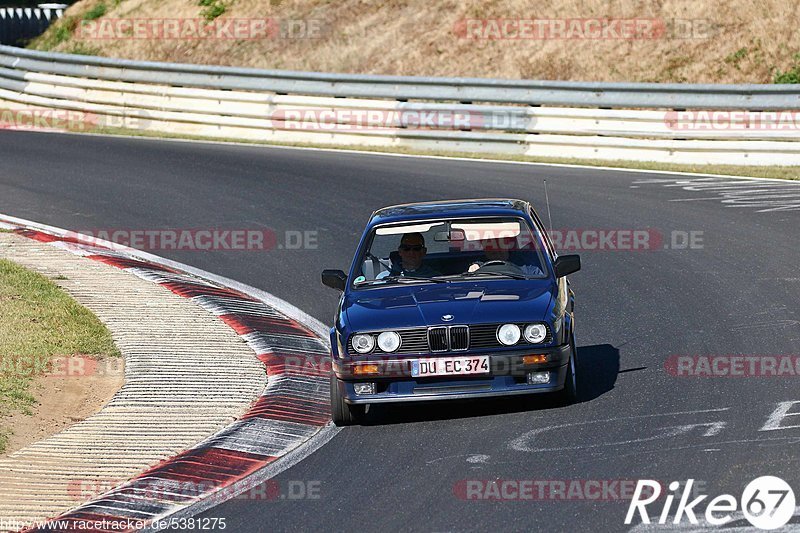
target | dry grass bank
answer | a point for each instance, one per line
(737, 41)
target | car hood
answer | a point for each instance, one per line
(407, 306)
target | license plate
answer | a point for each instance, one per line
(450, 366)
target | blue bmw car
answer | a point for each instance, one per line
(452, 300)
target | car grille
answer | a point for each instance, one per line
(485, 335)
(437, 339)
(460, 338)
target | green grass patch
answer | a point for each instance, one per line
(97, 11)
(39, 321)
(735, 58)
(790, 76)
(211, 8)
(63, 30)
(778, 172)
(59, 32)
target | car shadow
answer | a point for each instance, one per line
(598, 366)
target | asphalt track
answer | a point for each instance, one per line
(737, 294)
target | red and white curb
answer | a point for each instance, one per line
(290, 420)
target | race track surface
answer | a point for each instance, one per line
(735, 292)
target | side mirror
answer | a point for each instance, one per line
(567, 264)
(335, 279)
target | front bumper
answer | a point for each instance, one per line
(508, 377)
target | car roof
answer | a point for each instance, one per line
(449, 208)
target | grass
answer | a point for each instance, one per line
(39, 321)
(790, 76)
(97, 11)
(58, 33)
(778, 172)
(211, 9)
(61, 32)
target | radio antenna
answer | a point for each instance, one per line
(547, 199)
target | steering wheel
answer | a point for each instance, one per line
(497, 265)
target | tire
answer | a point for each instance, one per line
(342, 413)
(569, 394)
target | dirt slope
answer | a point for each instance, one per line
(701, 41)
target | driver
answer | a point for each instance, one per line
(412, 252)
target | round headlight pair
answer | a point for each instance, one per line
(509, 334)
(388, 341)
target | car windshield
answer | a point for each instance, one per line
(451, 250)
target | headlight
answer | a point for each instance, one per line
(363, 343)
(508, 334)
(388, 341)
(535, 333)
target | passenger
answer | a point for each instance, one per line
(499, 250)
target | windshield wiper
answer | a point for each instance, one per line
(500, 274)
(411, 278)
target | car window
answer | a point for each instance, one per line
(455, 248)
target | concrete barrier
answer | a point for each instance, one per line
(335, 109)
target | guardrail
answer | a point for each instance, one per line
(724, 124)
(21, 23)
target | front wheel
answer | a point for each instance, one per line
(343, 413)
(569, 394)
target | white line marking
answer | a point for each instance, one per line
(767, 197)
(520, 443)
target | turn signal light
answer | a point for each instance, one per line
(365, 370)
(534, 359)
